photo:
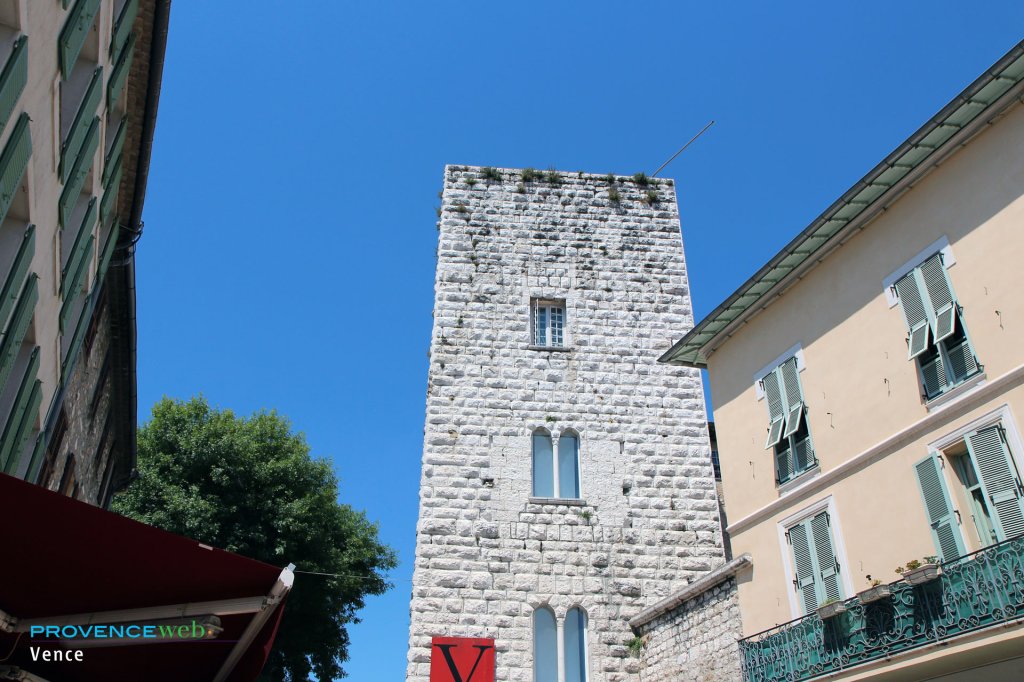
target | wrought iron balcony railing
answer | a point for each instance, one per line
(973, 592)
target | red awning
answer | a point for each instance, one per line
(61, 559)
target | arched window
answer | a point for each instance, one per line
(545, 646)
(568, 465)
(575, 642)
(543, 465)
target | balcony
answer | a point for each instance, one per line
(976, 591)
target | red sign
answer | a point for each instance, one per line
(461, 659)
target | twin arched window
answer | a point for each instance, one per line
(546, 660)
(556, 476)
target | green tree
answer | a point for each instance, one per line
(250, 486)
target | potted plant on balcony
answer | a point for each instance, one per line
(831, 608)
(876, 592)
(921, 572)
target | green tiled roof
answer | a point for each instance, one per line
(968, 113)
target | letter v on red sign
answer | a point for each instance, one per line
(461, 659)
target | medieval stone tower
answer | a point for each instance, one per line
(566, 481)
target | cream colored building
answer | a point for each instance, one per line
(868, 392)
(79, 86)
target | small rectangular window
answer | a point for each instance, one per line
(548, 323)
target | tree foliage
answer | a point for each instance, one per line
(250, 486)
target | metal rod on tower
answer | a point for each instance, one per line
(682, 149)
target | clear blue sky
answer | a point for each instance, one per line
(288, 256)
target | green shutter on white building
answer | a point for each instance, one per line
(76, 30)
(803, 566)
(815, 565)
(825, 555)
(22, 418)
(914, 313)
(945, 532)
(1000, 480)
(794, 396)
(776, 413)
(940, 297)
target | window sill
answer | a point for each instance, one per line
(566, 501)
(553, 349)
(800, 479)
(966, 387)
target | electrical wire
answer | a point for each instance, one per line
(348, 575)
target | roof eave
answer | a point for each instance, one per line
(697, 345)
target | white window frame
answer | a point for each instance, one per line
(560, 624)
(536, 303)
(560, 616)
(825, 504)
(555, 438)
(1003, 416)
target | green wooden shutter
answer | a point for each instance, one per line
(940, 297)
(794, 396)
(76, 340)
(75, 31)
(18, 326)
(110, 192)
(77, 250)
(119, 76)
(784, 466)
(803, 454)
(825, 556)
(116, 150)
(914, 313)
(37, 458)
(776, 408)
(80, 170)
(79, 129)
(22, 416)
(933, 374)
(13, 162)
(806, 583)
(962, 361)
(1000, 480)
(75, 282)
(106, 253)
(123, 26)
(945, 532)
(13, 79)
(16, 275)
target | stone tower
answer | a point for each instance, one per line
(567, 481)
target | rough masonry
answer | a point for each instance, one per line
(487, 554)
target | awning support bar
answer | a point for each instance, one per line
(277, 593)
(224, 607)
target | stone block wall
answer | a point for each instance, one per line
(487, 554)
(87, 435)
(696, 642)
